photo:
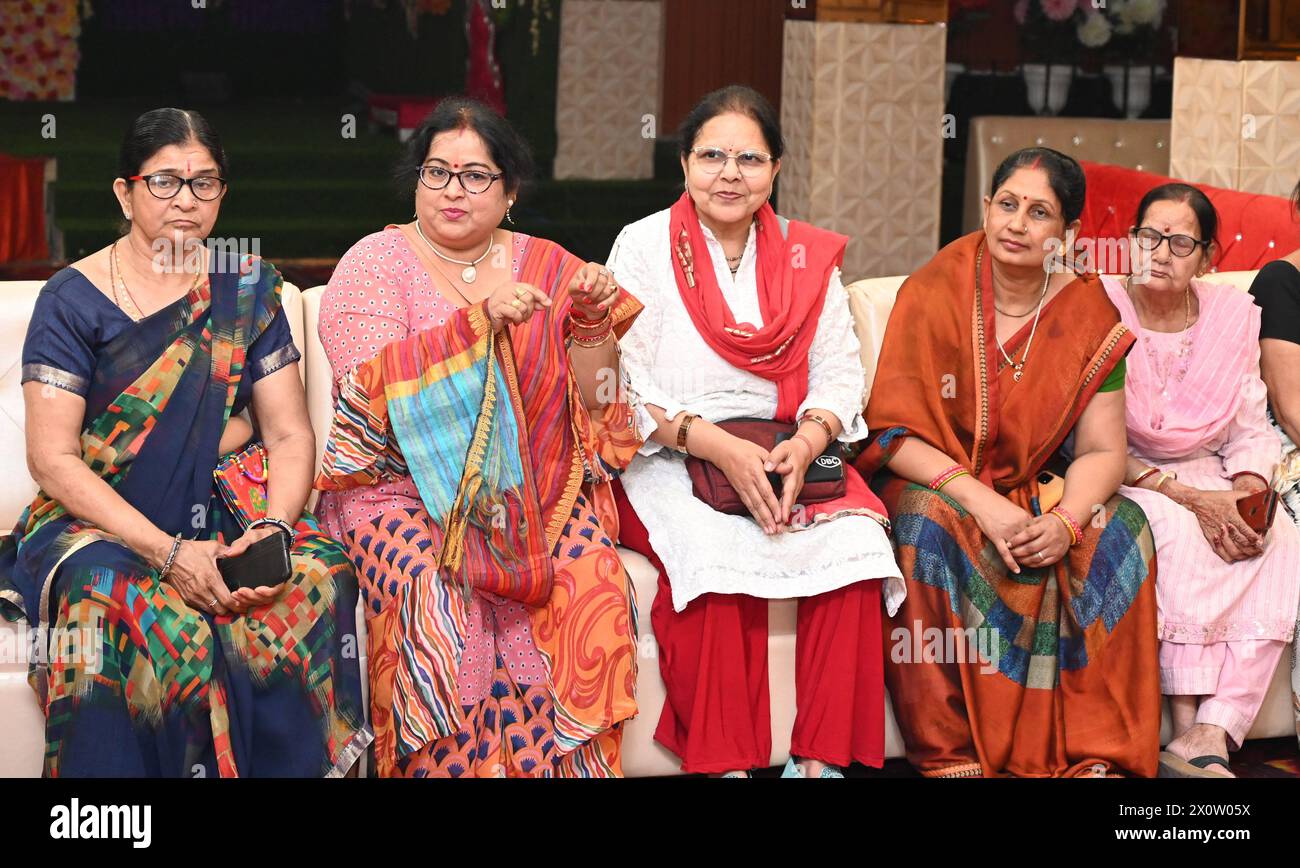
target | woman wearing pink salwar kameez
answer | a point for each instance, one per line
(1199, 440)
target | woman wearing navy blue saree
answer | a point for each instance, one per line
(138, 361)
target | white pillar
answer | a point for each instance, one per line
(607, 105)
(862, 112)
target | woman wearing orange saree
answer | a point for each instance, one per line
(468, 474)
(1026, 645)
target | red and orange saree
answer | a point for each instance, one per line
(506, 561)
(1052, 672)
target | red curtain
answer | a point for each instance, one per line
(22, 209)
(483, 73)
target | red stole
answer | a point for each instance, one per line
(793, 272)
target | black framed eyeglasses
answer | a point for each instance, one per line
(471, 180)
(166, 186)
(1180, 245)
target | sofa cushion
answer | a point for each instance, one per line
(871, 301)
(18, 489)
(1254, 229)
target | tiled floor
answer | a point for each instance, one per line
(1261, 758)
(21, 727)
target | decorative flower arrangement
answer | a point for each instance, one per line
(1128, 27)
(1055, 30)
(1048, 28)
(38, 49)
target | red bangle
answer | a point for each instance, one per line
(1076, 532)
(591, 341)
(948, 476)
(1146, 474)
(812, 450)
(582, 322)
(1258, 476)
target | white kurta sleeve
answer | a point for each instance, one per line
(836, 379)
(627, 261)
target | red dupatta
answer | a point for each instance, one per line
(793, 271)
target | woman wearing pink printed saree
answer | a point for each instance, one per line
(468, 474)
(1199, 442)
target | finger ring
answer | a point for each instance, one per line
(1040, 556)
(519, 304)
(213, 603)
(604, 272)
(519, 293)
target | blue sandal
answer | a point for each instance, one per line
(795, 770)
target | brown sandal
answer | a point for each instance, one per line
(1174, 766)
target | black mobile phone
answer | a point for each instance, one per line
(265, 562)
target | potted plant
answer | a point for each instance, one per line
(1049, 48)
(1136, 26)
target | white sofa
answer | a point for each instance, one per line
(21, 739)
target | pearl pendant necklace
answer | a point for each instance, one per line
(470, 273)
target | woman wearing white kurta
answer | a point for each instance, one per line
(745, 316)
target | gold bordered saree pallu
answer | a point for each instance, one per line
(1052, 672)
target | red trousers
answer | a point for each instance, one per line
(713, 659)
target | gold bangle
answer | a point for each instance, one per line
(1145, 474)
(1161, 480)
(590, 343)
(813, 417)
(591, 325)
(682, 429)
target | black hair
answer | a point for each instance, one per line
(739, 99)
(1064, 175)
(1207, 216)
(155, 130)
(506, 147)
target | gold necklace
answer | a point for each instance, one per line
(1020, 367)
(116, 276)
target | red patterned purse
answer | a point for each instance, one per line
(241, 479)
